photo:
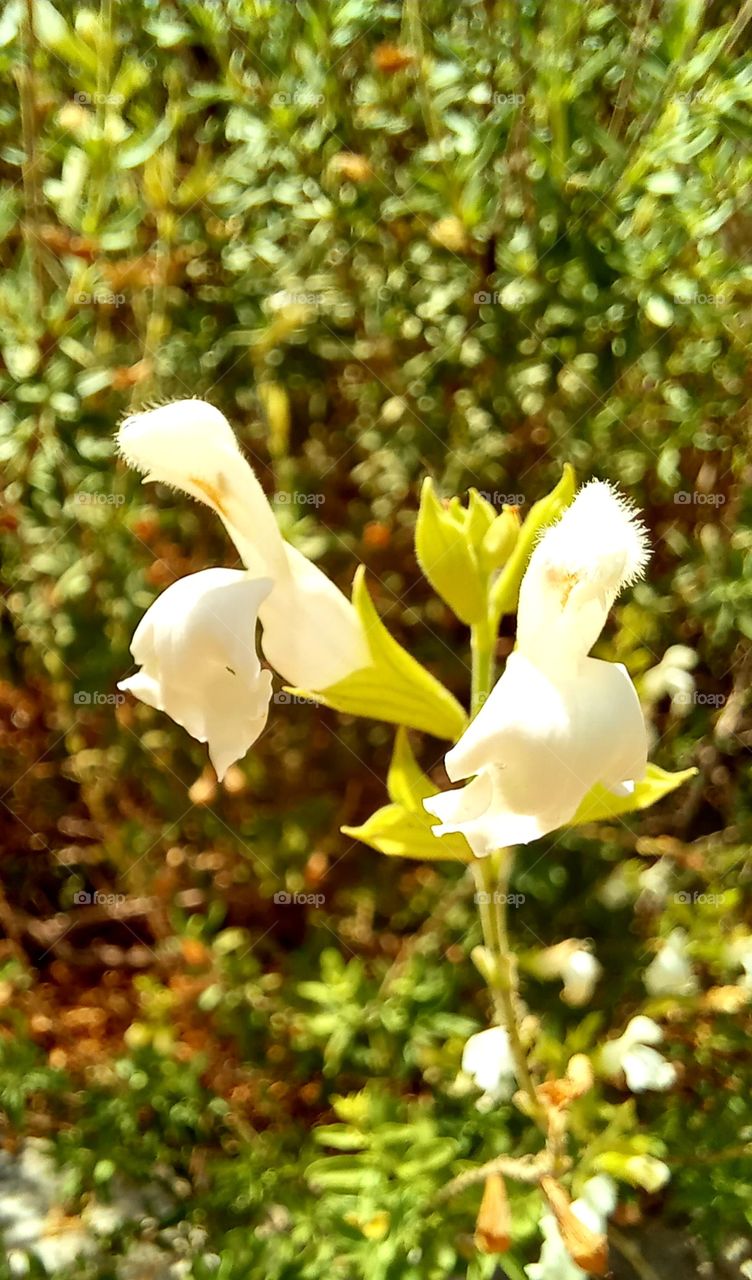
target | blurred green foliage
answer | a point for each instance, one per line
(472, 240)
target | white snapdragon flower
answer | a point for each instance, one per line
(196, 644)
(593, 1208)
(632, 1053)
(670, 972)
(557, 721)
(579, 973)
(487, 1058)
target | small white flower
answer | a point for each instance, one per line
(632, 1053)
(655, 881)
(647, 1172)
(580, 972)
(574, 964)
(739, 953)
(196, 647)
(487, 1058)
(670, 973)
(593, 1207)
(32, 1221)
(672, 676)
(196, 644)
(557, 721)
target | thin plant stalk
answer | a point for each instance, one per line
(30, 170)
(492, 875)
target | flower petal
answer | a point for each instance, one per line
(191, 446)
(645, 1068)
(311, 632)
(196, 649)
(487, 1057)
(543, 742)
(575, 573)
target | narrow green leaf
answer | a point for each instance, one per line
(406, 782)
(400, 833)
(342, 1173)
(395, 687)
(403, 829)
(600, 804)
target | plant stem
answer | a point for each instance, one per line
(30, 168)
(492, 894)
(529, 1169)
(495, 898)
(482, 646)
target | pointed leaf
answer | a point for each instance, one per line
(600, 804)
(395, 687)
(406, 782)
(400, 833)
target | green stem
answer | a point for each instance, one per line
(492, 899)
(482, 647)
(30, 168)
(508, 984)
(492, 894)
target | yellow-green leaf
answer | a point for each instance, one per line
(506, 589)
(406, 782)
(395, 687)
(403, 829)
(600, 804)
(400, 833)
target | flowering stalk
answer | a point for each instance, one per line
(492, 877)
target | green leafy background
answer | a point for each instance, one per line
(469, 240)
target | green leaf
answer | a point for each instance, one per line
(446, 554)
(342, 1173)
(52, 32)
(342, 1137)
(406, 782)
(638, 1170)
(140, 149)
(600, 804)
(399, 833)
(403, 829)
(506, 589)
(394, 687)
